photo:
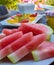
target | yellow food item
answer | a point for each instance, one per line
(50, 21)
(26, 16)
(32, 18)
(12, 21)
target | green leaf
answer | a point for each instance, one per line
(10, 4)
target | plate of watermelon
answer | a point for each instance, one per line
(28, 44)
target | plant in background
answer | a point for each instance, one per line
(50, 2)
(10, 4)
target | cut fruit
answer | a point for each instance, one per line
(9, 39)
(7, 31)
(44, 51)
(32, 19)
(19, 15)
(12, 21)
(26, 49)
(24, 21)
(45, 28)
(15, 45)
(2, 35)
(33, 15)
(26, 27)
(44, 44)
(36, 29)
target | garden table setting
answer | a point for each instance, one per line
(27, 33)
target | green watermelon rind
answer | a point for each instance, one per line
(35, 55)
(49, 32)
(11, 57)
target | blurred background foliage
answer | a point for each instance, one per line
(10, 4)
(50, 2)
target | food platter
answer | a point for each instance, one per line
(5, 23)
(26, 61)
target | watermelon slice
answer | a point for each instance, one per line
(15, 45)
(10, 38)
(9, 31)
(14, 30)
(36, 29)
(44, 51)
(2, 35)
(45, 28)
(26, 27)
(44, 44)
(27, 48)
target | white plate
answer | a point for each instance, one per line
(30, 62)
(46, 6)
(27, 62)
(5, 23)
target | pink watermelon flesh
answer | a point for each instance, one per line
(26, 27)
(26, 49)
(7, 31)
(36, 29)
(2, 35)
(44, 44)
(44, 51)
(15, 45)
(41, 26)
(9, 39)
